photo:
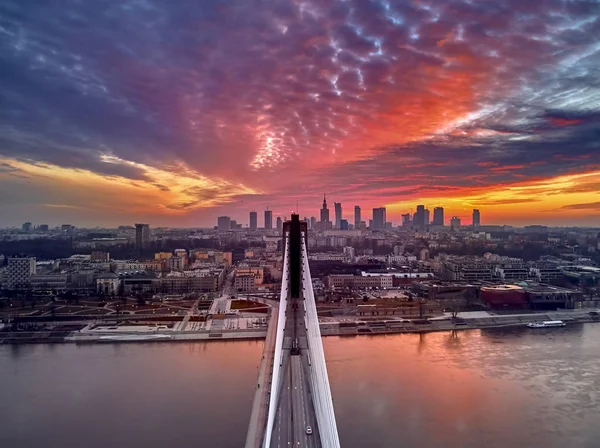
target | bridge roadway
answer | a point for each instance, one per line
(295, 410)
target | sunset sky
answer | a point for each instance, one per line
(176, 112)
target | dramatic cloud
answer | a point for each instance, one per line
(211, 107)
(588, 206)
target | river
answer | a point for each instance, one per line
(478, 388)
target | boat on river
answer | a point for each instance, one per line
(546, 324)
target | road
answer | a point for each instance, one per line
(295, 410)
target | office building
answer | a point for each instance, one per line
(455, 222)
(18, 273)
(379, 219)
(356, 217)
(253, 220)
(338, 214)
(279, 224)
(344, 224)
(426, 218)
(268, 219)
(438, 216)
(419, 219)
(224, 223)
(406, 220)
(313, 222)
(476, 218)
(26, 227)
(142, 236)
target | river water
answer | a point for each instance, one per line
(494, 388)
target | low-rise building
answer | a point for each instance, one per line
(49, 282)
(100, 255)
(245, 282)
(138, 282)
(207, 280)
(467, 269)
(548, 297)
(256, 271)
(545, 272)
(108, 283)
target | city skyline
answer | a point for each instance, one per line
(174, 123)
(248, 219)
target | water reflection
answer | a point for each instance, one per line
(127, 395)
(493, 388)
(496, 388)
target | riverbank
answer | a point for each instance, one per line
(343, 327)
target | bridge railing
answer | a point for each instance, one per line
(277, 358)
(321, 392)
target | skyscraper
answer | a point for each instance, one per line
(426, 218)
(338, 214)
(419, 220)
(253, 220)
(325, 224)
(455, 222)
(438, 216)
(476, 218)
(268, 219)
(378, 219)
(142, 236)
(279, 224)
(223, 223)
(313, 223)
(356, 217)
(406, 220)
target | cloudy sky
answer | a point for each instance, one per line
(175, 112)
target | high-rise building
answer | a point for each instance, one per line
(344, 224)
(338, 214)
(26, 227)
(438, 216)
(476, 218)
(142, 236)
(356, 217)
(406, 220)
(268, 219)
(253, 220)
(379, 219)
(19, 272)
(313, 222)
(279, 224)
(455, 222)
(224, 223)
(426, 218)
(325, 223)
(419, 220)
